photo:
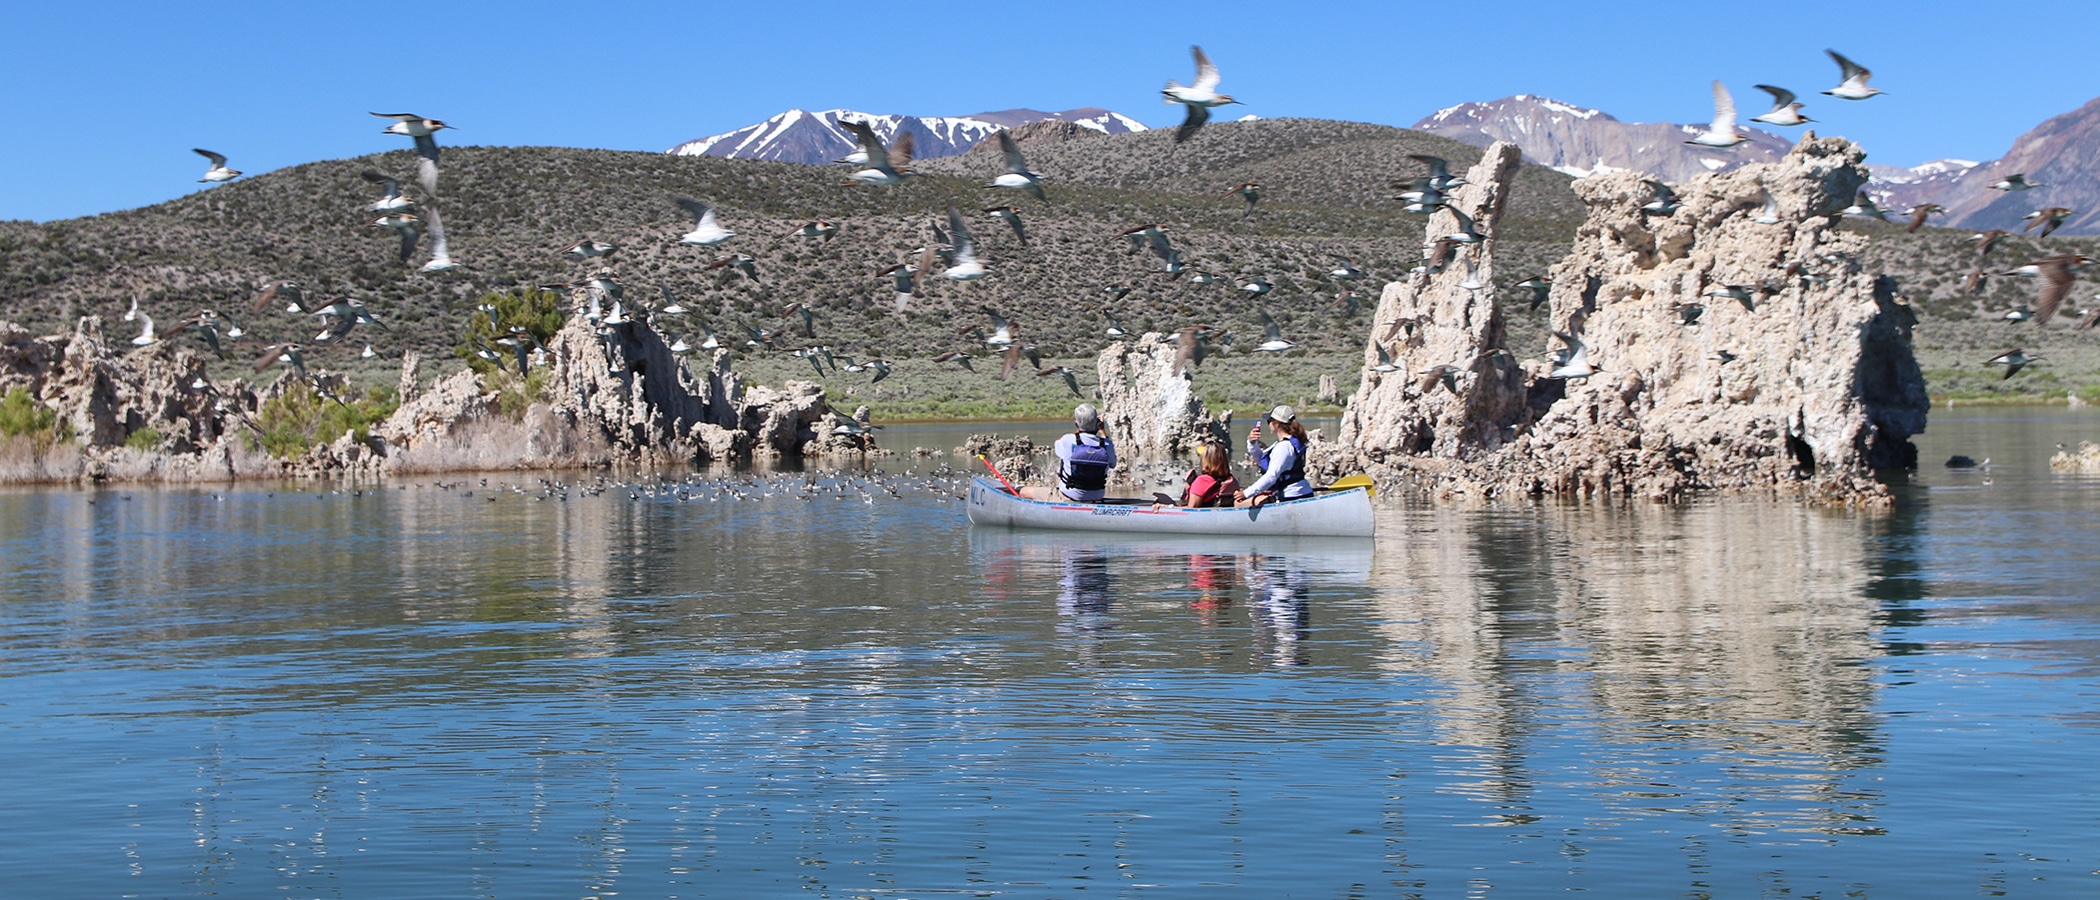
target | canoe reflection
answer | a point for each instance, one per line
(1274, 577)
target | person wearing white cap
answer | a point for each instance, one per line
(1083, 460)
(1282, 463)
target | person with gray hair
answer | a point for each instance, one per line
(1083, 460)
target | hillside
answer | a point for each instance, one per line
(510, 209)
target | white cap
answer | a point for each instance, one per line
(1086, 417)
(1284, 414)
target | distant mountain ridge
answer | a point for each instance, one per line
(1582, 141)
(2062, 153)
(802, 136)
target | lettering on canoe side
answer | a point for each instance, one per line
(1111, 510)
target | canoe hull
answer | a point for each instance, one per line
(1337, 514)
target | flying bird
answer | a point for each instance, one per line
(1015, 352)
(1385, 364)
(1919, 212)
(885, 166)
(1987, 240)
(146, 335)
(1199, 96)
(289, 291)
(1864, 207)
(390, 196)
(218, 171)
(1854, 86)
(2013, 360)
(406, 226)
(1573, 360)
(1273, 340)
(1017, 175)
(1446, 374)
(1012, 215)
(823, 231)
(2050, 219)
(1665, 200)
(1541, 288)
(1071, 382)
(1440, 177)
(738, 261)
(424, 131)
(589, 249)
(706, 231)
(1249, 192)
(966, 267)
(281, 353)
(2056, 274)
(1722, 133)
(1785, 109)
(2016, 182)
(440, 249)
(1190, 346)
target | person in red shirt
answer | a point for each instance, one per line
(1213, 484)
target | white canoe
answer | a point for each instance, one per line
(1337, 514)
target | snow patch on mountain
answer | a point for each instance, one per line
(803, 136)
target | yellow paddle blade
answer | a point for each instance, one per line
(1358, 480)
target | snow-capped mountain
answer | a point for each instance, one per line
(1581, 141)
(1899, 189)
(815, 137)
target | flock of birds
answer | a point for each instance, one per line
(2057, 272)
(955, 255)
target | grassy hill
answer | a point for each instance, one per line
(508, 210)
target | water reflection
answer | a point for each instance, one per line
(1272, 579)
(719, 691)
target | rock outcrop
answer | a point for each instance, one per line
(2085, 461)
(1454, 388)
(1148, 403)
(611, 395)
(1730, 353)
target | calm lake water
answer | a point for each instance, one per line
(793, 686)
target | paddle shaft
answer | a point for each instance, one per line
(995, 474)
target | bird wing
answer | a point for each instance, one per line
(1851, 70)
(1438, 168)
(1917, 217)
(217, 160)
(1724, 108)
(400, 117)
(1013, 358)
(439, 249)
(391, 186)
(271, 354)
(864, 135)
(1206, 71)
(702, 213)
(959, 233)
(1014, 162)
(2056, 285)
(409, 235)
(1269, 328)
(1780, 96)
(1197, 116)
(1015, 221)
(900, 151)
(1161, 247)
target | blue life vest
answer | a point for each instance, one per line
(1087, 470)
(1296, 473)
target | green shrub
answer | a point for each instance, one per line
(143, 439)
(21, 415)
(536, 311)
(301, 418)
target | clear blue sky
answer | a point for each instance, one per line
(108, 98)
